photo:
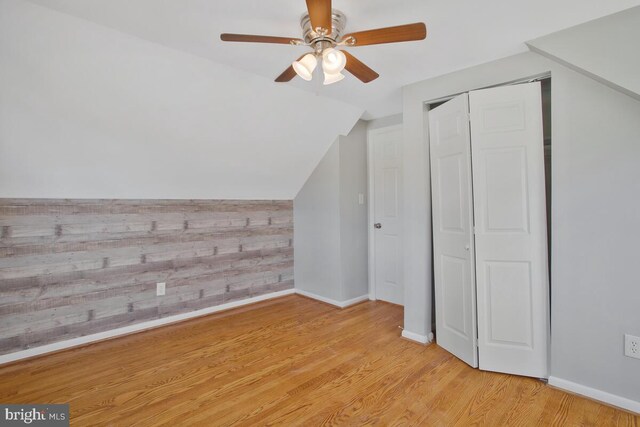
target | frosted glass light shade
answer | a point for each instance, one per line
(304, 68)
(333, 61)
(332, 78)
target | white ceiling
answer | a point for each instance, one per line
(462, 33)
(90, 112)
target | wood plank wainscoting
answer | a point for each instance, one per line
(70, 268)
(289, 361)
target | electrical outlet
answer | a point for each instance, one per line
(632, 346)
(160, 288)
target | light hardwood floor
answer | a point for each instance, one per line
(290, 361)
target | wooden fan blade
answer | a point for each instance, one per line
(401, 33)
(320, 14)
(288, 74)
(359, 69)
(258, 39)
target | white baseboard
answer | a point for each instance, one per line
(422, 339)
(602, 396)
(138, 327)
(341, 304)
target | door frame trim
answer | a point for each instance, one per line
(536, 78)
(426, 107)
(371, 204)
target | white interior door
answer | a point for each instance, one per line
(386, 219)
(451, 189)
(511, 245)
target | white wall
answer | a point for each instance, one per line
(594, 218)
(606, 49)
(90, 112)
(353, 215)
(316, 221)
(330, 226)
(596, 207)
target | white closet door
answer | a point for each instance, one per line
(453, 229)
(511, 245)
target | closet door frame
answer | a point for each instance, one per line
(428, 106)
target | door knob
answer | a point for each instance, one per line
(466, 247)
(377, 225)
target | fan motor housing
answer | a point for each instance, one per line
(311, 37)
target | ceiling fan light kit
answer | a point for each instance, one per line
(304, 67)
(333, 61)
(332, 78)
(322, 30)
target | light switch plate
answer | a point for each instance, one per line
(161, 288)
(361, 198)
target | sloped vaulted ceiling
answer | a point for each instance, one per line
(87, 111)
(462, 33)
(604, 49)
(139, 98)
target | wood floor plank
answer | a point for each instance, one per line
(290, 361)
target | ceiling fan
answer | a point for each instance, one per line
(322, 29)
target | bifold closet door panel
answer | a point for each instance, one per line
(510, 229)
(454, 272)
